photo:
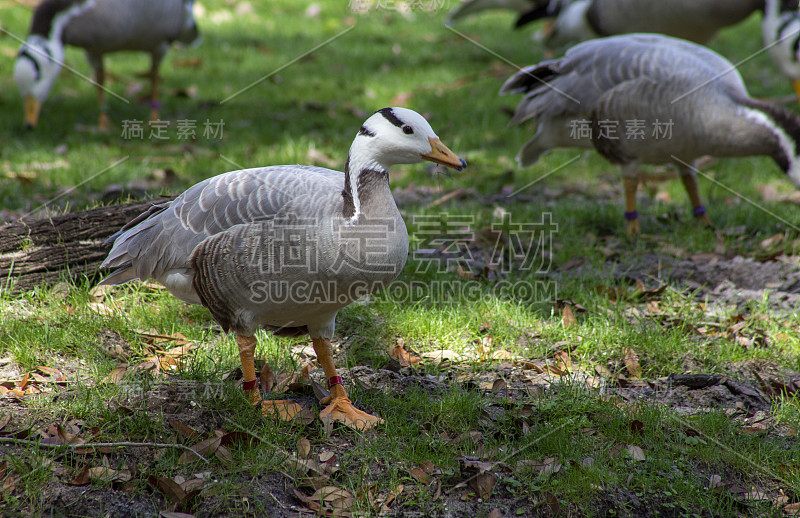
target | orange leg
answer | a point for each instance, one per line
(103, 124)
(285, 409)
(631, 216)
(339, 406)
(247, 348)
(690, 184)
(154, 104)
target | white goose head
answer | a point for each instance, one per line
(398, 136)
(390, 136)
(42, 55)
(37, 66)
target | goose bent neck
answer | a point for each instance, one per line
(366, 182)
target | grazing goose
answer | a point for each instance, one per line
(98, 26)
(638, 85)
(579, 20)
(285, 247)
(781, 32)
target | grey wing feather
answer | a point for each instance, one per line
(113, 25)
(701, 113)
(573, 83)
(165, 239)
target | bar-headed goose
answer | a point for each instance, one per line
(98, 26)
(285, 247)
(579, 20)
(573, 21)
(781, 32)
(621, 94)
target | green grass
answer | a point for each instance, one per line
(317, 104)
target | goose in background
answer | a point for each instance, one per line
(645, 80)
(781, 31)
(285, 248)
(528, 10)
(580, 20)
(99, 27)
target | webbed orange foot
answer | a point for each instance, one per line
(701, 218)
(631, 226)
(341, 409)
(253, 395)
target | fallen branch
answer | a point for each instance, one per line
(36, 252)
(27, 442)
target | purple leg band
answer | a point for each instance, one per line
(630, 216)
(156, 105)
(698, 211)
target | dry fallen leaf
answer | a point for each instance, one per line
(106, 474)
(82, 478)
(283, 410)
(100, 308)
(442, 355)
(206, 448)
(267, 378)
(329, 500)
(303, 447)
(498, 385)
(171, 490)
(419, 475)
(99, 293)
(552, 503)
(403, 357)
(173, 514)
(239, 437)
(184, 430)
(548, 466)
(568, 317)
(483, 484)
(636, 452)
(564, 360)
(223, 454)
(502, 354)
(632, 363)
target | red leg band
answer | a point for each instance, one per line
(334, 380)
(249, 385)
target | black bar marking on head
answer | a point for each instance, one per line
(391, 117)
(364, 131)
(25, 53)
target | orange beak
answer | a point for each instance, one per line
(440, 154)
(32, 107)
(796, 86)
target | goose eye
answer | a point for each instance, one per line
(408, 130)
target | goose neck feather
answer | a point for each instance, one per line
(51, 16)
(364, 175)
(785, 126)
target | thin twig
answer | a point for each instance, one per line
(101, 445)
